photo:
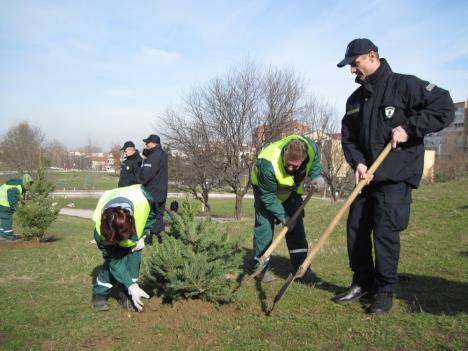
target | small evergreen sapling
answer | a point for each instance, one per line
(195, 259)
(37, 212)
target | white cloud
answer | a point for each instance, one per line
(159, 56)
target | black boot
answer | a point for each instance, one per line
(100, 303)
(353, 294)
(310, 278)
(382, 303)
(126, 302)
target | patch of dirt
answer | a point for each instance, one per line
(20, 244)
(184, 325)
(49, 345)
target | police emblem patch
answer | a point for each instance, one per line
(389, 111)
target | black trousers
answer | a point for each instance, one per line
(382, 210)
(158, 225)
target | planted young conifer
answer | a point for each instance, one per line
(195, 260)
(38, 211)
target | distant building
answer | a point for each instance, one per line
(451, 145)
(454, 136)
(98, 161)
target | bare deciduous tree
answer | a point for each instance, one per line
(231, 118)
(339, 176)
(116, 154)
(322, 119)
(56, 154)
(22, 147)
(197, 165)
(282, 89)
(232, 107)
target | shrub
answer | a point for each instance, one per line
(37, 212)
(195, 260)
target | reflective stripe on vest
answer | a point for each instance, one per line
(273, 153)
(4, 193)
(141, 209)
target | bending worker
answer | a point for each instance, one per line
(10, 196)
(277, 178)
(122, 216)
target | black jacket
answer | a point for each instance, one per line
(386, 100)
(128, 168)
(153, 173)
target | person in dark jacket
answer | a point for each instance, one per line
(153, 174)
(129, 165)
(387, 107)
(10, 196)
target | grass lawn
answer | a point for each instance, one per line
(45, 290)
(76, 180)
(220, 207)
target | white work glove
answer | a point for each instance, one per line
(140, 244)
(136, 293)
(318, 183)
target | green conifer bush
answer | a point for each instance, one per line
(38, 211)
(195, 260)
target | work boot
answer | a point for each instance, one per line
(126, 302)
(7, 237)
(309, 278)
(100, 303)
(382, 303)
(265, 277)
(353, 294)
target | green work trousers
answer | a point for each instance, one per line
(264, 228)
(105, 281)
(6, 224)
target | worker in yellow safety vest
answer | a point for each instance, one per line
(122, 218)
(10, 196)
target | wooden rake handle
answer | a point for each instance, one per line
(342, 211)
(283, 231)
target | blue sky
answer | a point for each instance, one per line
(103, 71)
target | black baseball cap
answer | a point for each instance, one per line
(127, 144)
(153, 138)
(355, 48)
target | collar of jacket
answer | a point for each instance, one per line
(137, 153)
(150, 151)
(379, 76)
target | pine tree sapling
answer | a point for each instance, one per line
(194, 259)
(37, 212)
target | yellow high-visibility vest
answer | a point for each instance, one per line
(141, 209)
(273, 153)
(4, 193)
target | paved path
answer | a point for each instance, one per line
(77, 212)
(97, 194)
(88, 214)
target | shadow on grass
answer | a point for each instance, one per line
(281, 267)
(44, 240)
(433, 295)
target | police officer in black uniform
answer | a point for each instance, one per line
(153, 174)
(129, 165)
(387, 107)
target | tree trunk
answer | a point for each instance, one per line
(238, 207)
(333, 195)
